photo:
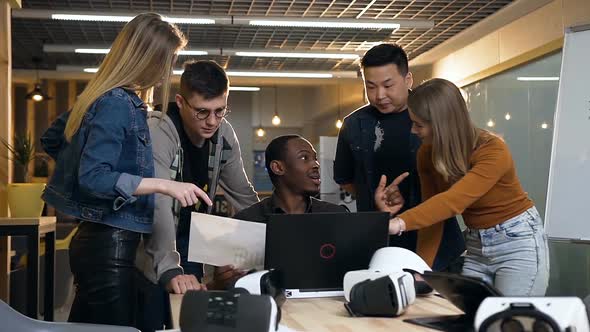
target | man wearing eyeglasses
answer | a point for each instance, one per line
(195, 143)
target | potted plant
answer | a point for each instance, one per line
(24, 198)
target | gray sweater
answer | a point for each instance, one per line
(157, 256)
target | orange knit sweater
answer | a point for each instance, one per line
(489, 194)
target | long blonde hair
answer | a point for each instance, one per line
(141, 56)
(439, 103)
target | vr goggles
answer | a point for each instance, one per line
(266, 282)
(530, 314)
(388, 287)
(386, 296)
(395, 259)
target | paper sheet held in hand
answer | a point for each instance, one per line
(223, 241)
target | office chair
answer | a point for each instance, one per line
(12, 320)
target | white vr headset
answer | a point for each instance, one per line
(536, 314)
(386, 288)
(265, 282)
(387, 296)
(395, 259)
(385, 261)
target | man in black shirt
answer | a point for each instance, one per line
(391, 152)
(376, 140)
(293, 167)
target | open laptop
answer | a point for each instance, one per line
(312, 252)
(466, 293)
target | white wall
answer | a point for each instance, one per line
(512, 41)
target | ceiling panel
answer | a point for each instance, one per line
(450, 17)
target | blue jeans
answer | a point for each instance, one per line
(512, 256)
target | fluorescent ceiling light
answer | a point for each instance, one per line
(244, 88)
(326, 74)
(300, 55)
(103, 49)
(106, 50)
(92, 50)
(87, 15)
(124, 18)
(188, 20)
(192, 52)
(279, 74)
(538, 78)
(325, 24)
(271, 74)
(98, 18)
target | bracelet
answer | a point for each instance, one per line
(399, 222)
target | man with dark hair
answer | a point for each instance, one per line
(293, 167)
(376, 140)
(192, 142)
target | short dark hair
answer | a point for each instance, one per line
(276, 150)
(384, 54)
(203, 77)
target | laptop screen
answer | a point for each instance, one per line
(313, 251)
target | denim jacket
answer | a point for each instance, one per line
(97, 172)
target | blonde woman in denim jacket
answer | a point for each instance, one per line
(104, 174)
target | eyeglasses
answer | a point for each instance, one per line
(204, 113)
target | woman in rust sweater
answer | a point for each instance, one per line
(469, 171)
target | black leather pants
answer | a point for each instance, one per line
(102, 259)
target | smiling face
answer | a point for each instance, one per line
(421, 128)
(387, 88)
(197, 128)
(300, 171)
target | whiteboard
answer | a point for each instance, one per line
(568, 195)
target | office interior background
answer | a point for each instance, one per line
(504, 54)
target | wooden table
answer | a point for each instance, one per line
(329, 315)
(33, 228)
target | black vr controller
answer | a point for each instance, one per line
(224, 311)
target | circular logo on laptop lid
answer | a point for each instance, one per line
(327, 251)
